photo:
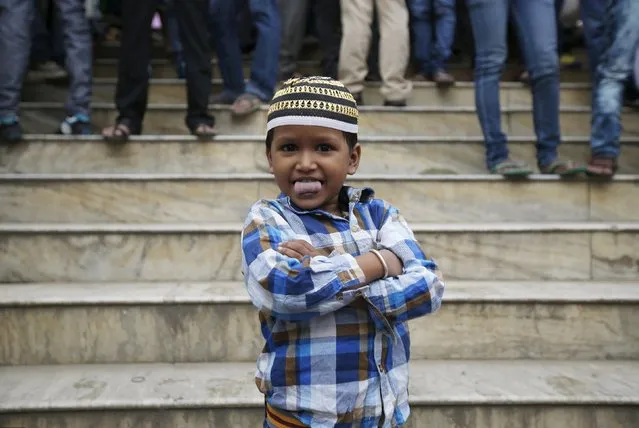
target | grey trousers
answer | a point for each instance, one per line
(15, 46)
(293, 15)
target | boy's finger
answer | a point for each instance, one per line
(291, 253)
(299, 246)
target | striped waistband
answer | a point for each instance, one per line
(280, 419)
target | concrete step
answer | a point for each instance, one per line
(163, 68)
(199, 198)
(210, 251)
(168, 91)
(88, 323)
(43, 117)
(245, 154)
(463, 394)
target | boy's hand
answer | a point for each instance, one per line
(298, 249)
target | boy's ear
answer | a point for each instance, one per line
(270, 161)
(356, 155)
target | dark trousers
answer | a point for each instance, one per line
(135, 55)
(327, 19)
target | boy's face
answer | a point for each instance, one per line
(310, 164)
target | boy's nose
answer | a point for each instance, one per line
(306, 161)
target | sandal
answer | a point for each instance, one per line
(563, 168)
(118, 133)
(602, 167)
(203, 131)
(512, 169)
(246, 104)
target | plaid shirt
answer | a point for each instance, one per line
(336, 352)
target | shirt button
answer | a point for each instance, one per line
(354, 228)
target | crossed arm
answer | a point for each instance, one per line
(289, 279)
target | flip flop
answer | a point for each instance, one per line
(512, 169)
(563, 168)
(604, 168)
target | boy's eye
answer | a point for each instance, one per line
(324, 147)
(288, 147)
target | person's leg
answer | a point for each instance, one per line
(615, 66)
(559, 6)
(444, 11)
(592, 16)
(329, 31)
(489, 19)
(173, 33)
(79, 56)
(293, 15)
(357, 16)
(192, 18)
(537, 29)
(394, 50)
(15, 44)
(57, 33)
(223, 16)
(372, 61)
(421, 27)
(40, 38)
(264, 69)
(133, 67)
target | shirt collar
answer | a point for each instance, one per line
(348, 197)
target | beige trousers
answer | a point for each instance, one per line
(394, 49)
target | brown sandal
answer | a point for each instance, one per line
(602, 167)
(246, 104)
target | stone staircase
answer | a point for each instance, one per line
(121, 297)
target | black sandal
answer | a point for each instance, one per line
(203, 131)
(120, 131)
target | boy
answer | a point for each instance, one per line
(334, 273)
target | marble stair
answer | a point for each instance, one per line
(121, 301)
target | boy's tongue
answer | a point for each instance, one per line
(305, 187)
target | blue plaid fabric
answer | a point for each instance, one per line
(336, 352)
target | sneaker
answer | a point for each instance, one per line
(49, 70)
(78, 124)
(10, 130)
(443, 79)
(395, 103)
(420, 77)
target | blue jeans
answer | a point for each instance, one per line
(47, 45)
(615, 66)
(536, 25)
(264, 69)
(15, 45)
(432, 48)
(593, 13)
